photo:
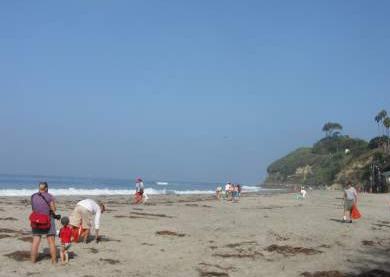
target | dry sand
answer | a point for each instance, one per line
(262, 235)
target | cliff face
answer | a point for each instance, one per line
(331, 161)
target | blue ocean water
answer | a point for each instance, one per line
(22, 185)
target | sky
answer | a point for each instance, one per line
(184, 90)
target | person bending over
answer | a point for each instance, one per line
(81, 219)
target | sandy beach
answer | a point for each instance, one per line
(262, 235)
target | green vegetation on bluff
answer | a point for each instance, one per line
(335, 159)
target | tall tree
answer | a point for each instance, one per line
(379, 118)
(330, 127)
(386, 124)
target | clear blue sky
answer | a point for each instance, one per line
(184, 90)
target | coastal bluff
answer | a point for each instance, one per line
(329, 163)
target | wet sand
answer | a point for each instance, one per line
(262, 235)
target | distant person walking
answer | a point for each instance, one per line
(44, 207)
(82, 216)
(139, 191)
(350, 199)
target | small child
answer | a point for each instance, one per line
(65, 236)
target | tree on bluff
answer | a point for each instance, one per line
(380, 119)
(332, 128)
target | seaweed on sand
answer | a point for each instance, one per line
(169, 233)
(287, 250)
(110, 261)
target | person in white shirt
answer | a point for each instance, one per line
(83, 214)
(303, 193)
(350, 199)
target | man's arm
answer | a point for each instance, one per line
(97, 223)
(53, 206)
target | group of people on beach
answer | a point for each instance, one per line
(74, 228)
(87, 214)
(232, 192)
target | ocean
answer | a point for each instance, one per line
(23, 185)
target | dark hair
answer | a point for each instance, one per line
(43, 185)
(65, 220)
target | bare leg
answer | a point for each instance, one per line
(53, 250)
(34, 248)
(62, 254)
(84, 235)
(66, 256)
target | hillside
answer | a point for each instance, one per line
(331, 161)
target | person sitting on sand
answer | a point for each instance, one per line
(82, 215)
(139, 191)
(350, 199)
(65, 237)
(44, 203)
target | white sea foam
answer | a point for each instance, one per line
(74, 191)
(251, 189)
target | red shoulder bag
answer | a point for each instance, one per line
(40, 221)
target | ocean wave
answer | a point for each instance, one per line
(73, 191)
(106, 191)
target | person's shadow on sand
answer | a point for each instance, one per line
(337, 220)
(46, 255)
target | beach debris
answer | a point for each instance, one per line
(372, 273)
(108, 239)
(382, 225)
(241, 254)
(333, 273)
(150, 214)
(110, 261)
(147, 244)
(19, 256)
(203, 273)
(239, 244)
(4, 236)
(239, 250)
(169, 233)
(287, 250)
(26, 239)
(368, 243)
(93, 250)
(8, 219)
(133, 217)
(8, 231)
(227, 268)
(192, 205)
